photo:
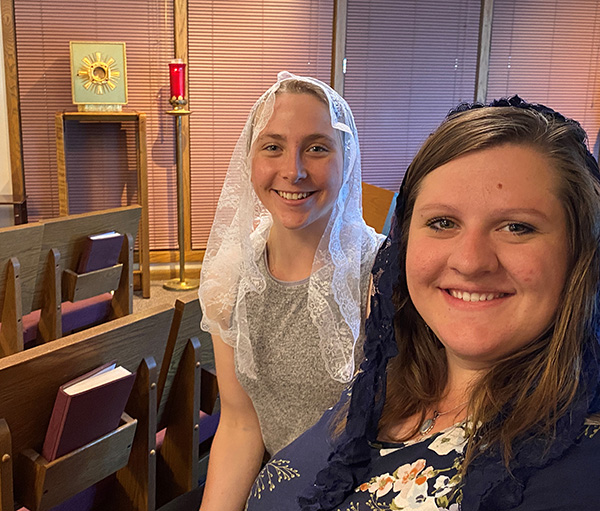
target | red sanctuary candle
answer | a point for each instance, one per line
(177, 75)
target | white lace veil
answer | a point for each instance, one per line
(240, 231)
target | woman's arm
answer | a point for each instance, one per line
(237, 450)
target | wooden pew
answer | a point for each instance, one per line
(19, 255)
(28, 384)
(38, 283)
(60, 291)
(163, 345)
(186, 396)
(378, 207)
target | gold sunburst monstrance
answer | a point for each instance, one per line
(99, 73)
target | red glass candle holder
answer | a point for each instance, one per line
(177, 76)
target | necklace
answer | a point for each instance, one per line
(428, 424)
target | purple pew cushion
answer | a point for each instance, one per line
(30, 328)
(207, 424)
(75, 315)
(84, 313)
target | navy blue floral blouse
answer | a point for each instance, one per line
(423, 475)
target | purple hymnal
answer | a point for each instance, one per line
(100, 251)
(87, 408)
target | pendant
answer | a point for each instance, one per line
(427, 426)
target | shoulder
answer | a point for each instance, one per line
(584, 455)
(371, 243)
(570, 482)
(293, 469)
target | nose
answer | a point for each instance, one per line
(473, 253)
(293, 168)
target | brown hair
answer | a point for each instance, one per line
(539, 381)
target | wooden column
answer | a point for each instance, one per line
(9, 41)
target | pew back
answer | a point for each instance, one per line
(181, 385)
(164, 338)
(29, 380)
(68, 235)
(185, 326)
(24, 243)
(378, 207)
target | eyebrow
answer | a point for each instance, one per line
(274, 136)
(309, 138)
(504, 212)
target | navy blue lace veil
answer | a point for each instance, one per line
(487, 479)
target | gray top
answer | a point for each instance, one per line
(292, 388)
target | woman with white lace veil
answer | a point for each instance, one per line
(284, 278)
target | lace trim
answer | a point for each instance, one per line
(240, 232)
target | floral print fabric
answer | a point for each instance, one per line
(424, 475)
(430, 482)
(419, 476)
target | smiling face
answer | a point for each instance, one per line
(297, 163)
(487, 253)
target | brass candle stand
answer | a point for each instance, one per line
(180, 284)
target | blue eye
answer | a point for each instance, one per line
(441, 224)
(518, 228)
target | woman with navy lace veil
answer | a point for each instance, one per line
(480, 385)
(284, 282)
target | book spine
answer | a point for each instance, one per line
(55, 427)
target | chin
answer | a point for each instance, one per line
(295, 226)
(301, 224)
(481, 347)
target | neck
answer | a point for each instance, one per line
(451, 408)
(291, 253)
(461, 378)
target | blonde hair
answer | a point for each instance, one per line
(537, 383)
(295, 86)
